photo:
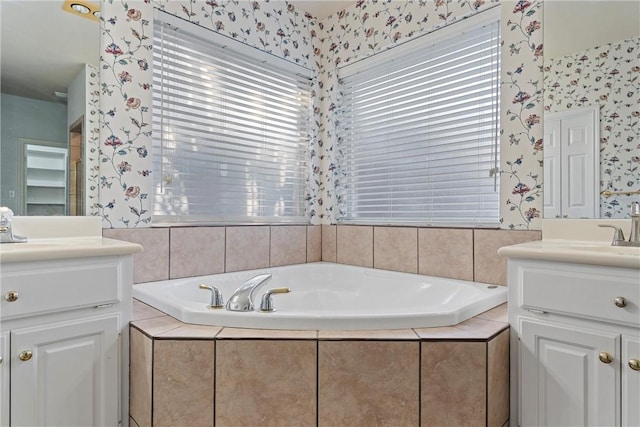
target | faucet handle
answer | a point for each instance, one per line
(635, 209)
(618, 234)
(216, 296)
(266, 305)
(5, 216)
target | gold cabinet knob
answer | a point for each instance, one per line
(620, 302)
(634, 364)
(25, 355)
(11, 296)
(605, 357)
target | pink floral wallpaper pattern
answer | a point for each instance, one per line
(608, 76)
(367, 27)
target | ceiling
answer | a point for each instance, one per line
(43, 47)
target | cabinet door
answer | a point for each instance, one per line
(630, 381)
(564, 382)
(71, 375)
(4, 379)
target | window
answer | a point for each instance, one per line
(418, 130)
(230, 129)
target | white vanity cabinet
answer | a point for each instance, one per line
(575, 337)
(64, 341)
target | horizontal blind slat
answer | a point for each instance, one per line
(417, 135)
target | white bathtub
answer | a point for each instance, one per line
(328, 296)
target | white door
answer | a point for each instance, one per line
(66, 374)
(564, 382)
(630, 381)
(4, 379)
(572, 163)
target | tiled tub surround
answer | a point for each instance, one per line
(185, 374)
(456, 253)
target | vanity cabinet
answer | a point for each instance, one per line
(575, 335)
(65, 341)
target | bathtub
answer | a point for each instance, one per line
(327, 296)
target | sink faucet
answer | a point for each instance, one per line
(634, 238)
(618, 235)
(6, 233)
(242, 298)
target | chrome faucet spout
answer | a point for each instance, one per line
(242, 298)
(6, 232)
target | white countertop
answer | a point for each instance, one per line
(579, 241)
(50, 238)
(579, 252)
(65, 248)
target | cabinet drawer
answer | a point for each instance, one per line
(582, 294)
(52, 287)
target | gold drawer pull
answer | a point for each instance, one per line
(620, 302)
(11, 296)
(25, 355)
(605, 357)
(634, 364)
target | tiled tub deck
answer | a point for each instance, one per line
(192, 375)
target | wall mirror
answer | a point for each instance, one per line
(591, 137)
(49, 69)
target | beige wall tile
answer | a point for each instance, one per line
(153, 262)
(183, 374)
(446, 252)
(377, 334)
(157, 325)
(247, 248)
(395, 248)
(489, 267)
(255, 385)
(196, 251)
(498, 314)
(190, 331)
(142, 311)
(498, 380)
(140, 360)
(329, 243)
(314, 243)
(247, 333)
(363, 383)
(288, 245)
(355, 245)
(474, 328)
(453, 384)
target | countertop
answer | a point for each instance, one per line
(65, 248)
(579, 252)
(59, 237)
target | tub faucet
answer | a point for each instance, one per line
(242, 298)
(6, 233)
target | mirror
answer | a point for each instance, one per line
(49, 121)
(591, 54)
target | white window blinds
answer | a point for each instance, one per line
(418, 132)
(230, 130)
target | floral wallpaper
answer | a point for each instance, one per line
(367, 27)
(608, 76)
(93, 141)
(521, 133)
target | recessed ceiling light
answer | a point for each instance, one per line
(80, 8)
(85, 8)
